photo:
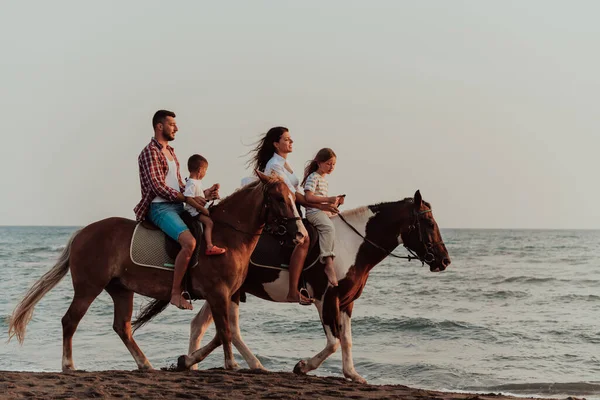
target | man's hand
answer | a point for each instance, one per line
(340, 199)
(200, 200)
(212, 193)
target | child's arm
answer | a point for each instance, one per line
(311, 198)
(194, 203)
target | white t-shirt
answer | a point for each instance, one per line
(170, 180)
(193, 188)
(277, 165)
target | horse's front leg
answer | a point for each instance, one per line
(236, 336)
(329, 313)
(198, 328)
(346, 340)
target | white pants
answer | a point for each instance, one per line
(326, 230)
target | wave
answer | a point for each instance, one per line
(446, 329)
(43, 249)
(578, 297)
(526, 279)
(567, 388)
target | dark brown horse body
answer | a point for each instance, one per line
(99, 259)
(370, 234)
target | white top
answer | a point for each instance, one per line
(170, 180)
(317, 184)
(193, 188)
(280, 167)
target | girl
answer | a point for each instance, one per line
(315, 191)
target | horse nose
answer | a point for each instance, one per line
(445, 262)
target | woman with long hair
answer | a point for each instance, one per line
(270, 156)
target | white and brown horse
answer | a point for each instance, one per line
(99, 259)
(364, 237)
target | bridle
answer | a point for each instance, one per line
(278, 226)
(429, 255)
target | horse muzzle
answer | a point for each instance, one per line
(439, 266)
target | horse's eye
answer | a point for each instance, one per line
(281, 200)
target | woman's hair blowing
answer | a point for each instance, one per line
(265, 148)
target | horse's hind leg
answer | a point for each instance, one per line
(76, 311)
(123, 300)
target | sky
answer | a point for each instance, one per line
(486, 107)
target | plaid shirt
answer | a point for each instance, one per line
(153, 170)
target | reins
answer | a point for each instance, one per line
(429, 257)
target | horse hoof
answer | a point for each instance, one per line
(181, 364)
(232, 367)
(356, 378)
(299, 368)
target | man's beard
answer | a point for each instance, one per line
(167, 137)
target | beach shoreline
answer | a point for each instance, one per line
(206, 384)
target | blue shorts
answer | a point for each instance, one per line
(166, 217)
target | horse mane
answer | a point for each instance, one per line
(376, 207)
(273, 179)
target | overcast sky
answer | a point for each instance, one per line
(490, 108)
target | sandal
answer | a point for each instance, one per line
(215, 251)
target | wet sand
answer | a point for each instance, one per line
(207, 384)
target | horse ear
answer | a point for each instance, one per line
(418, 200)
(263, 178)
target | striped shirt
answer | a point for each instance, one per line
(153, 167)
(316, 184)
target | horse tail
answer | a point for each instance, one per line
(150, 310)
(24, 311)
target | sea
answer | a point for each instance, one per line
(517, 312)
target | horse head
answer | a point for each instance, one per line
(423, 236)
(410, 222)
(281, 216)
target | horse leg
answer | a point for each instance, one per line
(188, 361)
(76, 311)
(346, 340)
(219, 305)
(236, 336)
(329, 326)
(198, 328)
(123, 301)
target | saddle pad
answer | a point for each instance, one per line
(148, 249)
(270, 253)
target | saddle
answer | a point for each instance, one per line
(150, 247)
(270, 252)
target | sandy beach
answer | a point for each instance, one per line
(208, 384)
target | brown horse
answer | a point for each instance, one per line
(99, 259)
(364, 237)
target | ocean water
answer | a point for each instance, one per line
(517, 312)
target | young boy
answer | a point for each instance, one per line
(197, 166)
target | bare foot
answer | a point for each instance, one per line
(299, 298)
(181, 302)
(330, 272)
